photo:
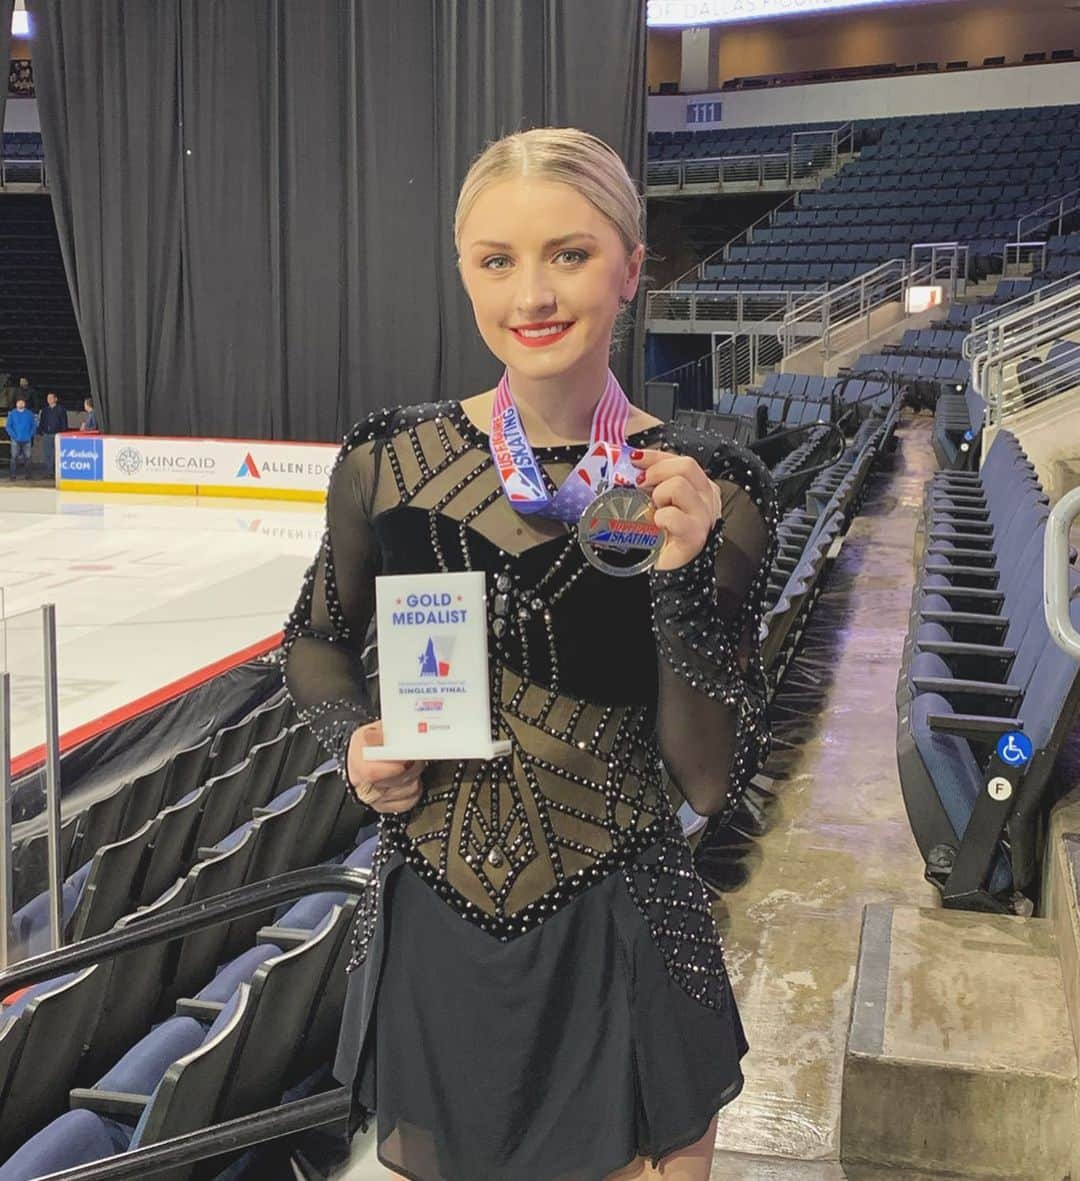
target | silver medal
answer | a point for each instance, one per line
(617, 534)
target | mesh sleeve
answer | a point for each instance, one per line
(712, 719)
(326, 633)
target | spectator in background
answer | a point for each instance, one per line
(29, 394)
(20, 427)
(90, 422)
(51, 422)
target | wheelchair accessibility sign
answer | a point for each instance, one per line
(1015, 749)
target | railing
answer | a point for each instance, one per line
(741, 238)
(722, 170)
(154, 928)
(809, 153)
(821, 319)
(1019, 363)
(8, 163)
(1017, 254)
(1052, 213)
(1056, 574)
(975, 341)
(739, 308)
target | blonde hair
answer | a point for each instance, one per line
(565, 155)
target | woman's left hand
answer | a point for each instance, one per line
(687, 503)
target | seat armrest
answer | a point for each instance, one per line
(956, 648)
(983, 594)
(109, 1103)
(949, 686)
(205, 1011)
(967, 538)
(962, 511)
(972, 725)
(959, 499)
(974, 618)
(284, 937)
(965, 571)
(979, 555)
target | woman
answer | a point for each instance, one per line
(537, 988)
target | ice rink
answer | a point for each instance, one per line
(148, 589)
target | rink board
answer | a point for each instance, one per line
(244, 468)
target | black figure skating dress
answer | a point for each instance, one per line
(537, 987)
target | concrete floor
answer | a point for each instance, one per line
(839, 839)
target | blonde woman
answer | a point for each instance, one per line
(537, 987)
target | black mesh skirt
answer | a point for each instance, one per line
(559, 1055)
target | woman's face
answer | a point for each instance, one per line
(536, 255)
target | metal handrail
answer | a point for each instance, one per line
(1012, 250)
(893, 275)
(1009, 336)
(1041, 383)
(1056, 574)
(659, 305)
(792, 163)
(1029, 298)
(699, 267)
(1058, 212)
(331, 1107)
(7, 162)
(155, 927)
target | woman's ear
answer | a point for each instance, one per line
(634, 264)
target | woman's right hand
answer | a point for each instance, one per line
(384, 786)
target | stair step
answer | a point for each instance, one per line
(959, 1047)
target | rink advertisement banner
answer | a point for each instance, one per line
(203, 467)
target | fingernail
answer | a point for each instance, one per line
(636, 454)
(642, 477)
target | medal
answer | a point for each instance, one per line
(622, 538)
(617, 534)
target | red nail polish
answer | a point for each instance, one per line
(636, 454)
(642, 476)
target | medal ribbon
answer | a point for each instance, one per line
(605, 464)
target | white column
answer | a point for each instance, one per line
(700, 59)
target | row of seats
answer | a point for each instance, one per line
(793, 400)
(108, 1013)
(136, 841)
(807, 535)
(916, 368)
(903, 191)
(120, 811)
(978, 667)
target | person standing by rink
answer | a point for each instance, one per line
(537, 988)
(52, 421)
(21, 428)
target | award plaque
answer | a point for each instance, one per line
(434, 692)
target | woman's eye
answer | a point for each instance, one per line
(581, 256)
(486, 264)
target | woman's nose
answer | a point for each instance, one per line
(535, 290)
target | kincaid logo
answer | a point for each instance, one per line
(128, 460)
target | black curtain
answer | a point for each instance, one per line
(255, 197)
(7, 7)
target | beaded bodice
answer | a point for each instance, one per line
(594, 680)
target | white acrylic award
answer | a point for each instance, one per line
(434, 694)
